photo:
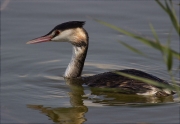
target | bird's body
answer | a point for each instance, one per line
(74, 33)
(125, 84)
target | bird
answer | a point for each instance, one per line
(74, 33)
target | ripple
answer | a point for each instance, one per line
(47, 62)
(104, 66)
(58, 78)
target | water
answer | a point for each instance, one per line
(32, 87)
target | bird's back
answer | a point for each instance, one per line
(127, 85)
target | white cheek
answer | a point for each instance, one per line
(65, 36)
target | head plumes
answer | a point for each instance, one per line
(68, 25)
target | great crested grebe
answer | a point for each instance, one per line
(74, 33)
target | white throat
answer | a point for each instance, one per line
(76, 64)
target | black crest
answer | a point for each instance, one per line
(68, 25)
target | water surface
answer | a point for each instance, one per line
(33, 89)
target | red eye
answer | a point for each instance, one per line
(56, 33)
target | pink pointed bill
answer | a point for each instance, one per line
(40, 39)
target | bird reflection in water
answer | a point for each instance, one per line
(74, 114)
(110, 97)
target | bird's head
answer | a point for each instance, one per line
(72, 32)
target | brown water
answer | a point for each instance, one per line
(32, 87)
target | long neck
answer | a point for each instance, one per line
(76, 64)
